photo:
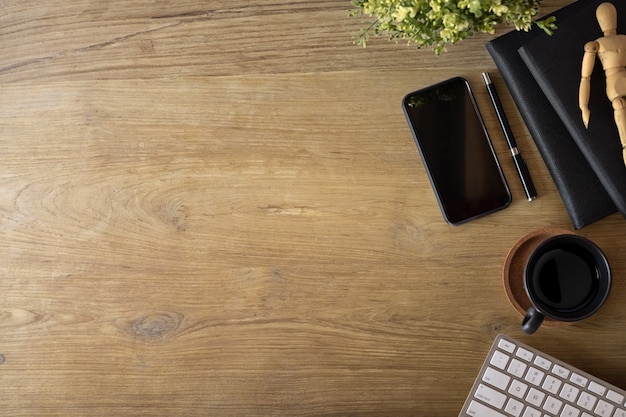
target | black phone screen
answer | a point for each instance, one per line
(456, 151)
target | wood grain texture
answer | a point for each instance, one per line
(216, 208)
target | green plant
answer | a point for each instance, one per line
(438, 23)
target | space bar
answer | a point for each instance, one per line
(476, 409)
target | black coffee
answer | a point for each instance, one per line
(565, 278)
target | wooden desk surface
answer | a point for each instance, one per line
(217, 208)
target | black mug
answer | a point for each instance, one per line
(567, 278)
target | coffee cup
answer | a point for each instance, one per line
(567, 278)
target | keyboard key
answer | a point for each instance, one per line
(514, 407)
(496, 378)
(597, 388)
(553, 405)
(477, 409)
(615, 397)
(506, 345)
(570, 411)
(531, 412)
(518, 389)
(551, 384)
(578, 379)
(542, 362)
(517, 368)
(490, 396)
(535, 397)
(534, 376)
(603, 409)
(569, 392)
(499, 360)
(587, 401)
(560, 371)
(525, 354)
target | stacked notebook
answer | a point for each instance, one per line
(542, 73)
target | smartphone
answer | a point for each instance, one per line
(456, 151)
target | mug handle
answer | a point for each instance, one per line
(532, 321)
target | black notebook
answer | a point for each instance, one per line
(583, 195)
(555, 62)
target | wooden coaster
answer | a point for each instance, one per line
(513, 273)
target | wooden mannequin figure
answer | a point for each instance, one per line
(611, 50)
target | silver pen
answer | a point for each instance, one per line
(520, 164)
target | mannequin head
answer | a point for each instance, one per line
(607, 18)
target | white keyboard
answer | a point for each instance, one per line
(520, 381)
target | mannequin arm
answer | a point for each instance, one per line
(589, 60)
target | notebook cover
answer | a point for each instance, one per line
(584, 197)
(555, 62)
